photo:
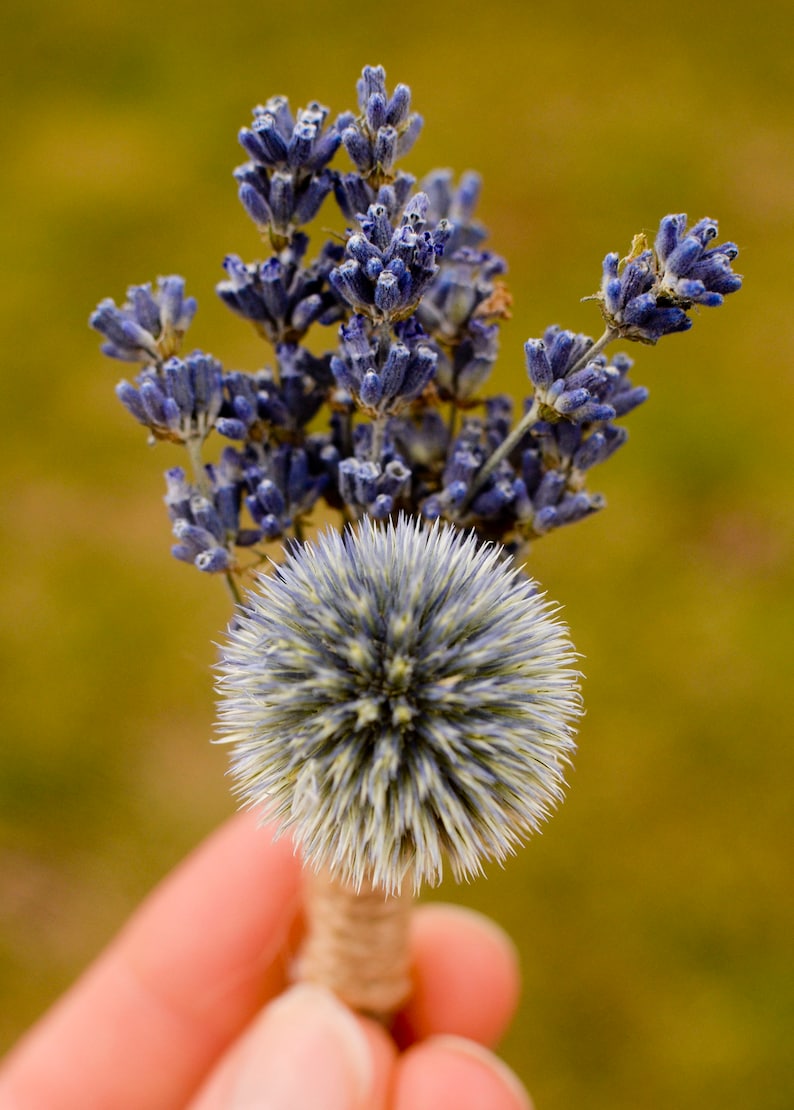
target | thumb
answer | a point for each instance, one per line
(305, 1050)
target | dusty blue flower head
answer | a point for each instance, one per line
(285, 183)
(387, 269)
(179, 401)
(149, 325)
(396, 695)
(648, 294)
(385, 129)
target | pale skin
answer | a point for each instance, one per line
(191, 1007)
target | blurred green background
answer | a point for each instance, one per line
(655, 916)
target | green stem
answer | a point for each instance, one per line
(452, 421)
(197, 464)
(237, 597)
(503, 450)
(378, 434)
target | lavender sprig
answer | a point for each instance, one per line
(396, 415)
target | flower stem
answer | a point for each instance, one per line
(503, 450)
(357, 944)
(233, 588)
(526, 422)
(193, 445)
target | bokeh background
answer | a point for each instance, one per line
(655, 916)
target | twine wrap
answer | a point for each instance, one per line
(357, 944)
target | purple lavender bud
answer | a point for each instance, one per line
(282, 199)
(370, 390)
(177, 382)
(371, 83)
(300, 144)
(387, 293)
(394, 368)
(491, 501)
(671, 230)
(358, 147)
(592, 451)
(382, 506)
(408, 135)
(178, 493)
(347, 480)
(145, 308)
(421, 369)
(375, 112)
(311, 198)
(255, 205)
(251, 142)
(270, 498)
(399, 106)
(360, 248)
(231, 428)
(215, 560)
(395, 479)
(153, 401)
(538, 365)
(571, 400)
(377, 227)
(351, 285)
(325, 147)
(205, 516)
(365, 479)
(273, 292)
(130, 398)
(626, 400)
(548, 492)
(272, 143)
(385, 148)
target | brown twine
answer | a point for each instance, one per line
(357, 944)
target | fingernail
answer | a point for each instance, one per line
(474, 1051)
(305, 1051)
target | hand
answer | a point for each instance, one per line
(170, 1015)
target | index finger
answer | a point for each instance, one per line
(196, 961)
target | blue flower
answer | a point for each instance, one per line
(179, 401)
(281, 488)
(384, 130)
(279, 296)
(648, 294)
(149, 326)
(285, 183)
(383, 377)
(397, 695)
(692, 271)
(387, 269)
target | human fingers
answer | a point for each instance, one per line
(466, 977)
(305, 1050)
(451, 1073)
(192, 966)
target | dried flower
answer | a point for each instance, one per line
(397, 694)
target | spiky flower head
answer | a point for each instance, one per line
(396, 694)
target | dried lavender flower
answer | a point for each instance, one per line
(397, 694)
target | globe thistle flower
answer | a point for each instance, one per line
(396, 695)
